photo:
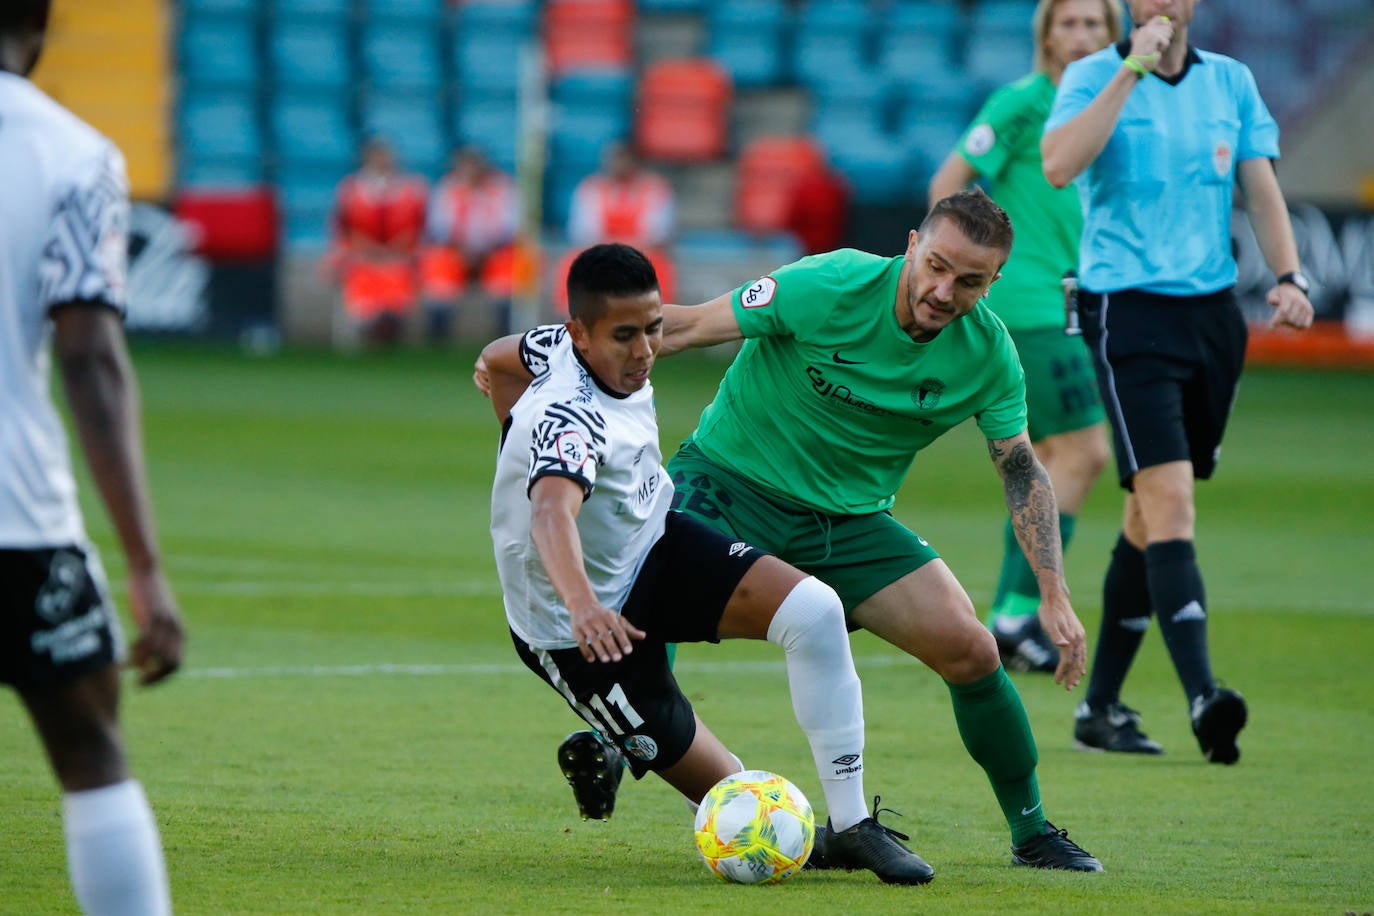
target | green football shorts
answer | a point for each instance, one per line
(1061, 387)
(856, 555)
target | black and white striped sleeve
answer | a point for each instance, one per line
(569, 441)
(86, 254)
(537, 346)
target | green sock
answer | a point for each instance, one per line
(992, 721)
(1018, 594)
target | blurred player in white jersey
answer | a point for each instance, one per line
(598, 575)
(63, 250)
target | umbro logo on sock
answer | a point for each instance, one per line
(1190, 611)
(739, 549)
(845, 760)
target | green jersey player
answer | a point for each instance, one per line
(1064, 410)
(851, 364)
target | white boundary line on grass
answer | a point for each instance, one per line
(383, 669)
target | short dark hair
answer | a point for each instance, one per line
(603, 271)
(23, 14)
(976, 215)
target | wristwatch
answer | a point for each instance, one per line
(1297, 279)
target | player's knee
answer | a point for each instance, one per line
(812, 610)
(968, 655)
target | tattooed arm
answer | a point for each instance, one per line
(1035, 518)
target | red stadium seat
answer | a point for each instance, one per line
(583, 34)
(684, 111)
(769, 168)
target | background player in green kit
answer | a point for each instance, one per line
(1064, 410)
(851, 364)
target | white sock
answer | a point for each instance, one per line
(114, 855)
(826, 696)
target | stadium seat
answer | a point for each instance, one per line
(411, 124)
(997, 59)
(313, 9)
(219, 126)
(218, 50)
(310, 54)
(607, 87)
(821, 59)
(249, 7)
(1001, 17)
(588, 33)
(684, 111)
(877, 165)
(752, 40)
(767, 172)
(196, 171)
(402, 57)
(426, 12)
(493, 125)
(311, 129)
(672, 6)
(307, 200)
(491, 18)
(488, 64)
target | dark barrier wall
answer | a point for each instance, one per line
(173, 290)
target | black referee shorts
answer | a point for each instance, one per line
(1168, 368)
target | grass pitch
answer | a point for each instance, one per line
(353, 732)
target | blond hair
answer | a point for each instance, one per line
(1044, 17)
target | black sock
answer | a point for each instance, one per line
(1177, 593)
(1125, 620)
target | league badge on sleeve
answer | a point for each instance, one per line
(980, 140)
(572, 449)
(759, 293)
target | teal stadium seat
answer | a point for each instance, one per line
(751, 39)
(218, 49)
(314, 54)
(412, 125)
(426, 12)
(312, 129)
(491, 124)
(219, 138)
(402, 57)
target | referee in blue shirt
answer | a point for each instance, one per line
(1157, 133)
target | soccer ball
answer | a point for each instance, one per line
(755, 827)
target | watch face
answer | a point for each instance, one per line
(1298, 280)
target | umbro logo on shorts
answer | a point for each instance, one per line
(739, 549)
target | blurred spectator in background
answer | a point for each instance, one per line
(474, 215)
(378, 221)
(1064, 411)
(624, 202)
(819, 209)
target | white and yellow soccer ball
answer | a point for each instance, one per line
(755, 827)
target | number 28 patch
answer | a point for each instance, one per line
(759, 293)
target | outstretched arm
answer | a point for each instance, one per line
(103, 395)
(705, 325)
(1035, 518)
